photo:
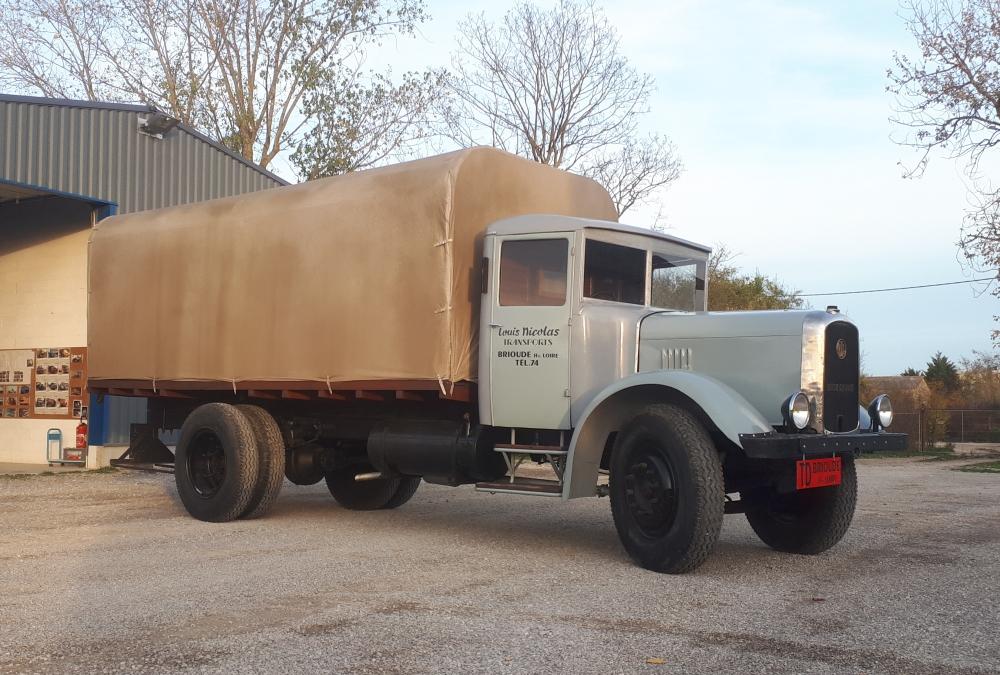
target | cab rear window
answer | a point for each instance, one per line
(615, 273)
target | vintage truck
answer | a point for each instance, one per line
(473, 318)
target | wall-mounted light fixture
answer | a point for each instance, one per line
(156, 124)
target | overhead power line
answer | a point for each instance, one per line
(897, 288)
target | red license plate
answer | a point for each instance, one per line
(814, 473)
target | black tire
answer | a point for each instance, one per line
(809, 521)
(270, 459)
(667, 490)
(407, 487)
(363, 495)
(216, 465)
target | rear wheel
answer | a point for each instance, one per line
(407, 487)
(369, 495)
(808, 521)
(270, 457)
(216, 466)
(666, 487)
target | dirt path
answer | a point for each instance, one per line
(106, 573)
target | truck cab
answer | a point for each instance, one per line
(563, 301)
(586, 326)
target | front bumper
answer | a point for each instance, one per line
(776, 445)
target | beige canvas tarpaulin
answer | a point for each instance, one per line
(362, 277)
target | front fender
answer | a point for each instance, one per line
(624, 399)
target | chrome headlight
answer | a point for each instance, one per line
(880, 410)
(796, 411)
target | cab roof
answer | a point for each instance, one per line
(554, 223)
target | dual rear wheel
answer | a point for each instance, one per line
(218, 464)
(230, 463)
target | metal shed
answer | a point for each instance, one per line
(64, 165)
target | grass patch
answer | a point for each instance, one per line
(103, 469)
(934, 454)
(85, 472)
(981, 467)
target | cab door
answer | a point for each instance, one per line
(529, 331)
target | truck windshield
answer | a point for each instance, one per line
(674, 283)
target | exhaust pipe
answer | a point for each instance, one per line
(371, 475)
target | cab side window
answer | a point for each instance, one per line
(533, 272)
(675, 284)
(613, 272)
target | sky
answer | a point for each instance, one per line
(779, 111)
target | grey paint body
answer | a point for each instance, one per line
(758, 354)
(738, 367)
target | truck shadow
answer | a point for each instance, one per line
(545, 530)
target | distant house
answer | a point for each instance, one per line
(908, 393)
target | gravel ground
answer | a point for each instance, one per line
(107, 573)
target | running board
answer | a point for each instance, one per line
(553, 450)
(535, 487)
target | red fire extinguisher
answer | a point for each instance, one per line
(81, 434)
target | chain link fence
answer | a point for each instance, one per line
(929, 426)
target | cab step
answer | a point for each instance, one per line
(526, 449)
(523, 486)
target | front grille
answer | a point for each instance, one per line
(840, 378)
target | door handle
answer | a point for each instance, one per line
(496, 325)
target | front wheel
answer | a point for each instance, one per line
(666, 488)
(808, 521)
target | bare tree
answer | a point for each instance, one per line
(635, 170)
(553, 85)
(158, 59)
(240, 70)
(54, 46)
(358, 126)
(948, 100)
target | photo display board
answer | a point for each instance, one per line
(43, 383)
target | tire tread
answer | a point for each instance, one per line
(220, 418)
(821, 527)
(271, 456)
(706, 471)
(366, 495)
(407, 487)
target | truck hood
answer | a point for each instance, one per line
(694, 325)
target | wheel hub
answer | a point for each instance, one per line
(650, 491)
(206, 464)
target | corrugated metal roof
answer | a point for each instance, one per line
(96, 151)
